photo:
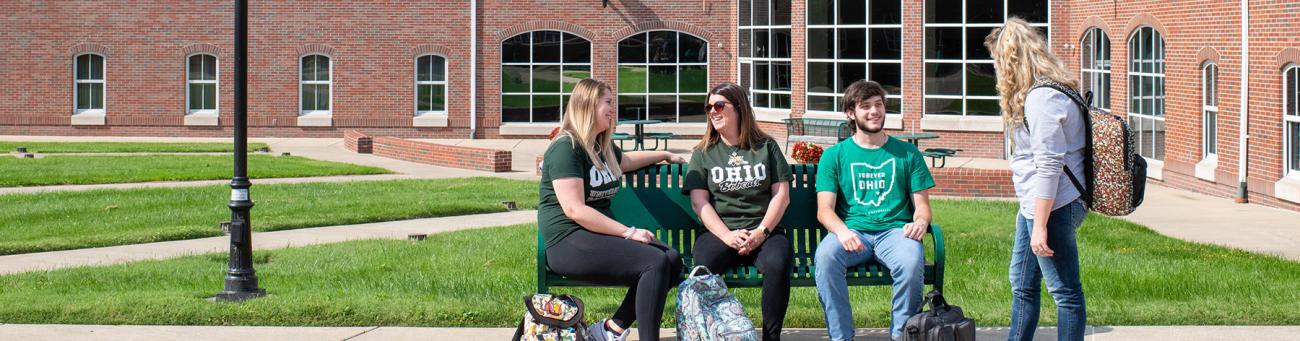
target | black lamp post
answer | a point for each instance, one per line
(241, 279)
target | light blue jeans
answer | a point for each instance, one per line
(1061, 272)
(905, 259)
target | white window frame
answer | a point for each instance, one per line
(301, 110)
(964, 61)
(1209, 106)
(216, 82)
(102, 81)
(678, 65)
(1289, 94)
(835, 61)
(1101, 91)
(418, 83)
(530, 64)
(751, 60)
(1158, 75)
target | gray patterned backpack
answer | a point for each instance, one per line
(706, 311)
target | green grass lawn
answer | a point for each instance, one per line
(71, 170)
(71, 220)
(122, 147)
(1133, 276)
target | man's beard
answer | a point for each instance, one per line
(862, 125)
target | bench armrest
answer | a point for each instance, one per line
(541, 263)
(936, 235)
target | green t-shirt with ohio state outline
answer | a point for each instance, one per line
(873, 187)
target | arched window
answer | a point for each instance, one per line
(430, 84)
(850, 40)
(663, 75)
(316, 84)
(1146, 90)
(1095, 70)
(89, 83)
(1291, 120)
(538, 71)
(765, 52)
(201, 84)
(1210, 110)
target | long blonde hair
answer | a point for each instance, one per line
(1021, 57)
(751, 137)
(580, 124)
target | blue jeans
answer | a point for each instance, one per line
(905, 259)
(1061, 272)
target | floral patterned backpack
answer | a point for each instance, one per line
(706, 311)
(551, 318)
(1114, 172)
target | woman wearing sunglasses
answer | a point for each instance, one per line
(580, 172)
(739, 184)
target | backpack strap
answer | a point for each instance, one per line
(1087, 122)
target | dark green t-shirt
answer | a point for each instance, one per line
(873, 187)
(739, 180)
(562, 160)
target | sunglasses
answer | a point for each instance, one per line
(716, 106)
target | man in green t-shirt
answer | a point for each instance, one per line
(871, 194)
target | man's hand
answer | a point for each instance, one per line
(850, 242)
(915, 230)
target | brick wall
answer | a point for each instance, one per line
(483, 159)
(358, 142)
(1196, 32)
(969, 182)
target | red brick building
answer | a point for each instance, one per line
(502, 69)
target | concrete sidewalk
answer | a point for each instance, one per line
(261, 241)
(99, 332)
(1220, 221)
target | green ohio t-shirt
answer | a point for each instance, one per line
(873, 187)
(739, 180)
(562, 160)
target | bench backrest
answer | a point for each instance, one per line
(651, 198)
(818, 127)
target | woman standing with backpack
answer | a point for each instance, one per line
(1048, 133)
(580, 174)
(739, 184)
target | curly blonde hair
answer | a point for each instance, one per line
(1021, 57)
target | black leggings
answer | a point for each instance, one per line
(773, 261)
(649, 269)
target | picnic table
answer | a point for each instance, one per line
(638, 132)
(915, 138)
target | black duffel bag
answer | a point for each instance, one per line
(943, 322)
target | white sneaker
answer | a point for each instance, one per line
(598, 332)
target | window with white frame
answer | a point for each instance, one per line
(430, 85)
(88, 89)
(663, 75)
(850, 40)
(1095, 71)
(201, 84)
(1210, 110)
(765, 52)
(959, 75)
(316, 84)
(1146, 90)
(1291, 120)
(538, 71)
